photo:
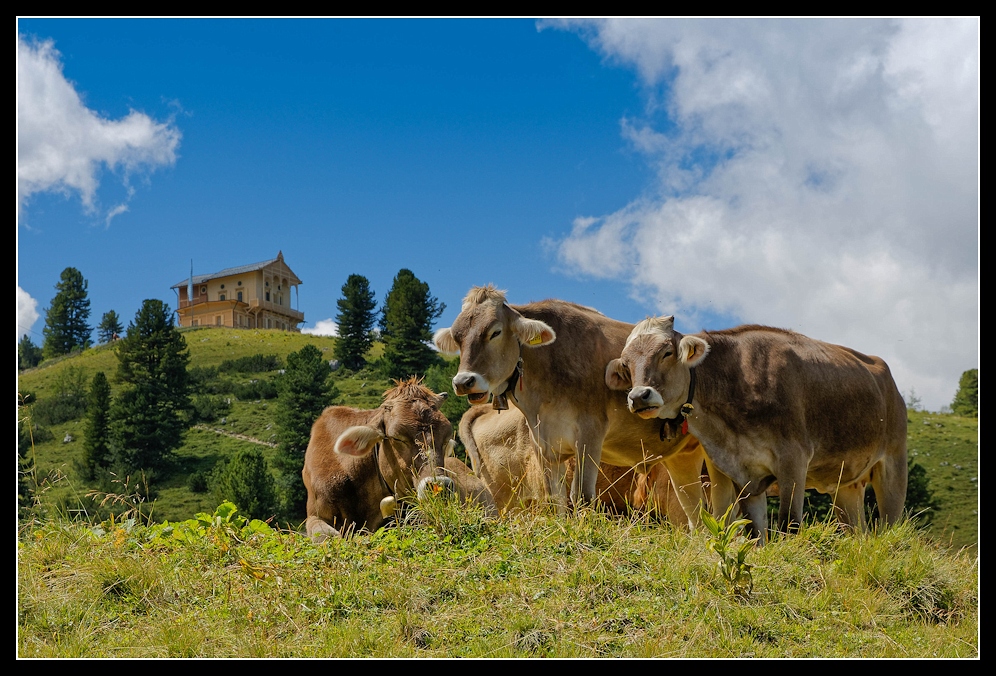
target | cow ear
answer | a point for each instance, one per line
(358, 441)
(440, 398)
(445, 343)
(617, 376)
(533, 332)
(692, 350)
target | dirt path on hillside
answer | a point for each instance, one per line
(233, 435)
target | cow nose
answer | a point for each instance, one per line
(639, 393)
(463, 381)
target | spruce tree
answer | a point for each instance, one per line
(66, 327)
(110, 326)
(406, 326)
(305, 389)
(355, 319)
(149, 416)
(95, 438)
(29, 355)
(245, 480)
(966, 401)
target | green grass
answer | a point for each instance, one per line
(449, 583)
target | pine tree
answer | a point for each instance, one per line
(95, 439)
(29, 355)
(149, 416)
(355, 319)
(406, 326)
(109, 327)
(966, 401)
(245, 480)
(66, 327)
(305, 390)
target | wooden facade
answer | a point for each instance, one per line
(255, 296)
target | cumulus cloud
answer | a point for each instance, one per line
(27, 313)
(62, 145)
(820, 175)
(324, 327)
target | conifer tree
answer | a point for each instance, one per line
(245, 480)
(355, 320)
(66, 326)
(95, 438)
(149, 416)
(406, 326)
(110, 326)
(29, 355)
(966, 401)
(305, 389)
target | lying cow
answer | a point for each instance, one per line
(360, 462)
(773, 405)
(503, 454)
(549, 359)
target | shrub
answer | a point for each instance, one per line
(246, 481)
(255, 363)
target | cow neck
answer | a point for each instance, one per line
(671, 426)
(380, 475)
(499, 402)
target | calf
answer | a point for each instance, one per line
(773, 405)
(360, 462)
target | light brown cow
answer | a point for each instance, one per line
(360, 462)
(549, 358)
(773, 405)
(503, 454)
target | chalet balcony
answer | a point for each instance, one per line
(254, 305)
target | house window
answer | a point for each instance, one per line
(267, 296)
(240, 294)
(195, 322)
(268, 322)
(217, 320)
(204, 289)
(221, 296)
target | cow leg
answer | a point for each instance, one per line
(586, 476)
(555, 473)
(686, 479)
(756, 509)
(889, 478)
(850, 505)
(318, 530)
(791, 497)
(721, 491)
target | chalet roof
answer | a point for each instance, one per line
(237, 270)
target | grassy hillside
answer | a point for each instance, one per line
(945, 445)
(449, 583)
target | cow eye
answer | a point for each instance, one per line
(495, 334)
(667, 354)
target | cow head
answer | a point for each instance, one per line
(415, 434)
(655, 367)
(490, 336)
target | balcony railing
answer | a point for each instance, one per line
(254, 304)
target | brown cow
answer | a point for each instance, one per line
(503, 454)
(359, 462)
(773, 405)
(549, 359)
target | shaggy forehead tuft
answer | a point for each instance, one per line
(481, 294)
(409, 390)
(652, 326)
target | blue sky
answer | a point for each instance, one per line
(818, 175)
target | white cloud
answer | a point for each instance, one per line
(839, 196)
(324, 327)
(27, 313)
(62, 145)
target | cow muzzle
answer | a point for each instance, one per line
(471, 385)
(646, 402)
(435, 485)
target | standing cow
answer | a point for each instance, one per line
(360, 462)
(548, 359)
(772, 405)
